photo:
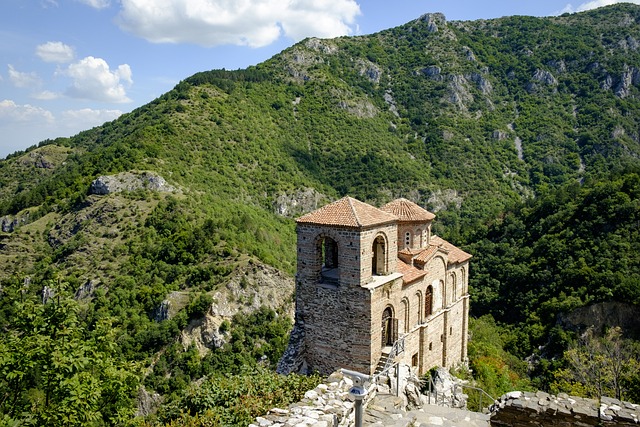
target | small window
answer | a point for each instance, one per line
(450, 330)
(414, 360)
(430, 346)
(407, 239)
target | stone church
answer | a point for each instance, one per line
(374, 281)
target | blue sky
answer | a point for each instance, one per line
(70, 65)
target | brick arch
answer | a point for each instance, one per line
(428, 302)
(452, 286)
(380, 254)
(419, 307)
(389, 326)
(407, 314)
(327, 257)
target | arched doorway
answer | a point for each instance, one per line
(389, 327)
(378, 262)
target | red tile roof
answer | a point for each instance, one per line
(455, 254)
(348, 212)
(409, 272)
(406, 210)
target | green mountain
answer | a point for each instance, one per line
(183, 197)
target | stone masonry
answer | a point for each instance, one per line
(372, 282)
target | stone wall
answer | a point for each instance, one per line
(328, 405)
(524, 409)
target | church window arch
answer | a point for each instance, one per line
(406, 307)
(379, 260)
(453, 285)
(419, 307)
(428, 302)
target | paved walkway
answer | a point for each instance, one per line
(384, 411)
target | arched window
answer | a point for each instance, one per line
(419, 307)
(454, 287)
(329, 261)
(379, 260)
(407, 240)
(428, 302)
(405, 304)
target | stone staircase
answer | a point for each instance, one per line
(384, 357)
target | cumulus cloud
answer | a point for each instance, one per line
(96, 4)
(46, 95)
(252, 23)
(12, 112)
(23, 80)
(55, 52)
(594, 5)
(87, 118)
(94, 80)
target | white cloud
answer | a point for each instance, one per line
(96, 4)
(12, 112)
(55, 52)
(23, 80)
(594, 5)
(94, 80)
(87, 118)
(252, 23)
(46, 95)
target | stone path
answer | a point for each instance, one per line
(384, 411)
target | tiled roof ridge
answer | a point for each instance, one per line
(407, 210)
(348, 212)
(354, 211)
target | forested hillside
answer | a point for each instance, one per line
(520, 133)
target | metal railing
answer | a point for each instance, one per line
(396, 348)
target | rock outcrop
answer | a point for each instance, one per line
(130, 181)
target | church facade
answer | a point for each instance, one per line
(373, 283)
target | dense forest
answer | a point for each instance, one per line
(171, 306)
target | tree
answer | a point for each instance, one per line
(599, 366)
(54, 371)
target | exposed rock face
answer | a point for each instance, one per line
(130, 181)
(433, 21)
(204, 333)
(541, 76)
(370, 70)
(440, 199)
(248, 289)
(433, 72)
(9, 223)
(630, 77)
(148, 403)
(602, 315)
(86, 290)
(298, 202)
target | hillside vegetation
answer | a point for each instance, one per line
(520, 133)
